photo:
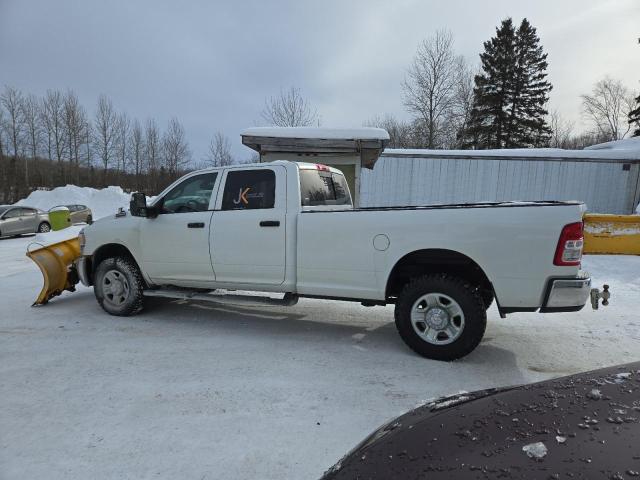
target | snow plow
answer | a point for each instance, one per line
(55, 261)
(612, 234)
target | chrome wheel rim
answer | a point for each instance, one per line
(115, 288)
(44, 228)
(437, 318)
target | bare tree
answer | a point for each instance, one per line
(430, 86)
(53, 121)
(401, 133)
(2, 142)
(289, 109)
(11, 99)
(152, 152)
(75, 120)
(174, 147)
(33, 131)
(136, 142)
(88, 135)
(462, 103)
(561, 130)
(123, 126)
(105, 131)
(608, 107)
(219, 154)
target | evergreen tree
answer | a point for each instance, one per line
(488, 117)
(511, 92)
(634, 117)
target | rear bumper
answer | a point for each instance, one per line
(566, 294)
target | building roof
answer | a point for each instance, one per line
(367, 143)
(603, 154)
(319, 133)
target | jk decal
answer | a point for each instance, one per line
(242, 196)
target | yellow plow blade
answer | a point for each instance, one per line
(56, 264)
(612, 234)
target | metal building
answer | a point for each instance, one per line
(606, 177)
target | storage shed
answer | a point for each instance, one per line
(606, 177)
(350, 150)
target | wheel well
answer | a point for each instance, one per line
(422, 262)
(108, 251)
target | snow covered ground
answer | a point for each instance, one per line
(192, 391)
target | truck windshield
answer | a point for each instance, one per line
(321, 187)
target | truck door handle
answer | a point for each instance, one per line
(195, 225)
(270, 223)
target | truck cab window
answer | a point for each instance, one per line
(192, 195)
(323, 188)
(249, 189)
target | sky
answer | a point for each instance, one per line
(212, 64)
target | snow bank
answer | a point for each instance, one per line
(102, 202)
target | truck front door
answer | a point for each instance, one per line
(248, 227)
(175, 244)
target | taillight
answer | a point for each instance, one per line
(569, 249)
(321, 167)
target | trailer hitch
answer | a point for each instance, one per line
(596, 295)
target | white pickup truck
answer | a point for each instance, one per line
(291, 228)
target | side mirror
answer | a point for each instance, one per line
(138, 204)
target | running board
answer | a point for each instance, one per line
(288, 300)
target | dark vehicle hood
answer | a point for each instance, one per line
(588, 423)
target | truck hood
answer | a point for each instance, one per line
(576, 426)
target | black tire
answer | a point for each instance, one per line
(468, 298)
(130, 300)
(44, 227)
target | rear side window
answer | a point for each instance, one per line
(319, 187)
(249, 189)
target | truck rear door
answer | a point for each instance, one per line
(248, 227)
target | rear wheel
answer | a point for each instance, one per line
(440, 316)
(44, 227)
(118, 286)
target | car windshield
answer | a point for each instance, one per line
(3, 208)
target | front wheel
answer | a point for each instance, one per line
(44, 227)
(118, 286)
(440, 316)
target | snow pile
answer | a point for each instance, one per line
(102, 202)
